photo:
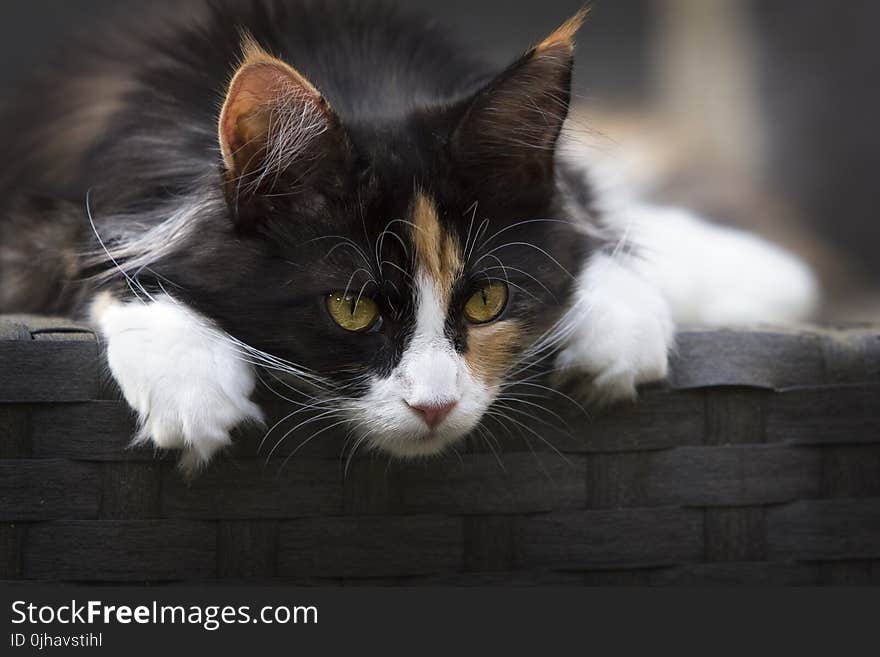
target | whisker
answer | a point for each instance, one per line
(525, 273)
(317, 417)
(523, 223)
(540, 437)
(531, 246)
(308, 440)
(512, 399)
(556, 392)
(480, 428)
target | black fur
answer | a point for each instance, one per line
(404, 93)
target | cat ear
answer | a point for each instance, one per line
(275, 126)
(507, 136)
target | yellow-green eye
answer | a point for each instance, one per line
(352, 313)
(486, 304)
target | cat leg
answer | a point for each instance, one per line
(713, 275)
(182, 375)
(621, 329)
(674, 268)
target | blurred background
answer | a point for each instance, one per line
(758, 112)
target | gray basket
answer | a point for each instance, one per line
(758, 464)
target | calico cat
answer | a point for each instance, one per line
(337, 196)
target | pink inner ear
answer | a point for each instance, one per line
(262, 86)
(254, 90)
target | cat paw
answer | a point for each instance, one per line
(197, 417)
(186, 382)
(623, 335)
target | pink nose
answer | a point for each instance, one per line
(433, 414)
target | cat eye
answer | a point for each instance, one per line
(357, 314)
(487, 303)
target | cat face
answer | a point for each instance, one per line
(424, 320)
(411, 272)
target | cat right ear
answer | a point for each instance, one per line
(506, 139)
(277, 134)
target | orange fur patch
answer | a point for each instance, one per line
(260, 83)
(491, 349)
(437, 251)
(564, 34)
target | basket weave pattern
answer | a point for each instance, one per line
(759, 463)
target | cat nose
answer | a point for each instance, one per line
(433, 413)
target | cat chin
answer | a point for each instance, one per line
(415, 446)
(413, 440)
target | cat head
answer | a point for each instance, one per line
(408, 272)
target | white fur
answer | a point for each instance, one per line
(671, 267)
(710, 275)
(430, 372)
(714, 275)
(186, 381)
(623, 329)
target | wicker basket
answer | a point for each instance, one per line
(758, 464)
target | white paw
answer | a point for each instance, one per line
(186, 382)
(624, 331)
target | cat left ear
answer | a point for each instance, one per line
(274, 122)
(507, 136)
